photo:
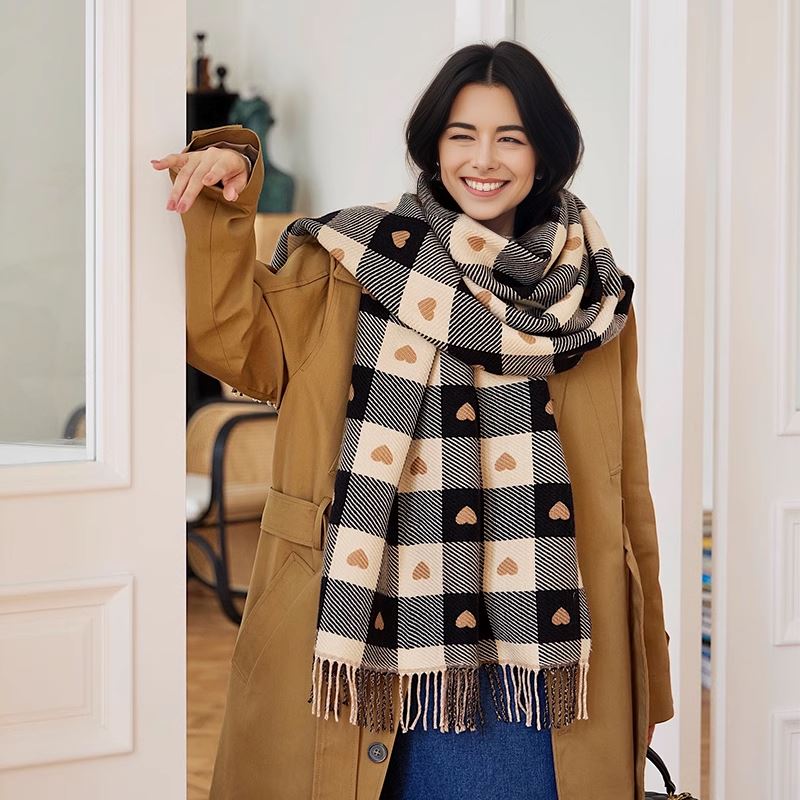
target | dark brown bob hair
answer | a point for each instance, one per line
(548, 121)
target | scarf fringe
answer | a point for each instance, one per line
(455, 695)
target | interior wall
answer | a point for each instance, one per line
(599, 33)
(222, 23)
(341, 79)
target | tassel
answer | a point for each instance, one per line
(456, 702)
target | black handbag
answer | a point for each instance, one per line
(668, 784)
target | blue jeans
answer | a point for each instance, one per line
(500, 759)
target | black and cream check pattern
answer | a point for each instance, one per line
(451, 537)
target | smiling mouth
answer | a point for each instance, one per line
(497, 187)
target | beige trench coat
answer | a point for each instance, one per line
(287, 338)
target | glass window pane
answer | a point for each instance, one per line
(43, 227)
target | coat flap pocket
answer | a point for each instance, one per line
(268, 613)
(295, 519)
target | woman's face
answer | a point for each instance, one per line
(484, 144)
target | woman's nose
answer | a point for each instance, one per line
(485, 156)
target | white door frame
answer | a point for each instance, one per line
(676, 224)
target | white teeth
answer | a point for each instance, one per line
(483, 187)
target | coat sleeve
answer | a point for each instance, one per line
(641, 523)
(243, 325)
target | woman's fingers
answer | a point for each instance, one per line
(235, 186)
(171, 160)
(233, 178)
(205, 175)
(214, 174)
(182, 163)
(217, 173)
(181, 198)
(205, 168)
(230, 192)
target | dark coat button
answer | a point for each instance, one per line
(377, 752)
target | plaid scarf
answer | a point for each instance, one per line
(451, 537)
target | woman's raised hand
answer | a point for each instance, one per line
(203, 168)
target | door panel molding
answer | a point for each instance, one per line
(84, 708)
(786, 574)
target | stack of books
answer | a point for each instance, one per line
(706, 636)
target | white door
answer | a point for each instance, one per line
(92, 558)
(755, 734)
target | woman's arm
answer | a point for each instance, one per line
(240, 326)
(641, 523)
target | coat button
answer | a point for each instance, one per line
(377, 752)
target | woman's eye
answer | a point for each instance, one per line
(464, 136)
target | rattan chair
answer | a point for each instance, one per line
(229, 446)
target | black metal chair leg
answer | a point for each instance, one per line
(219, 562)
(224, 593)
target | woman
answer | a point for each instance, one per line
(435, 483)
